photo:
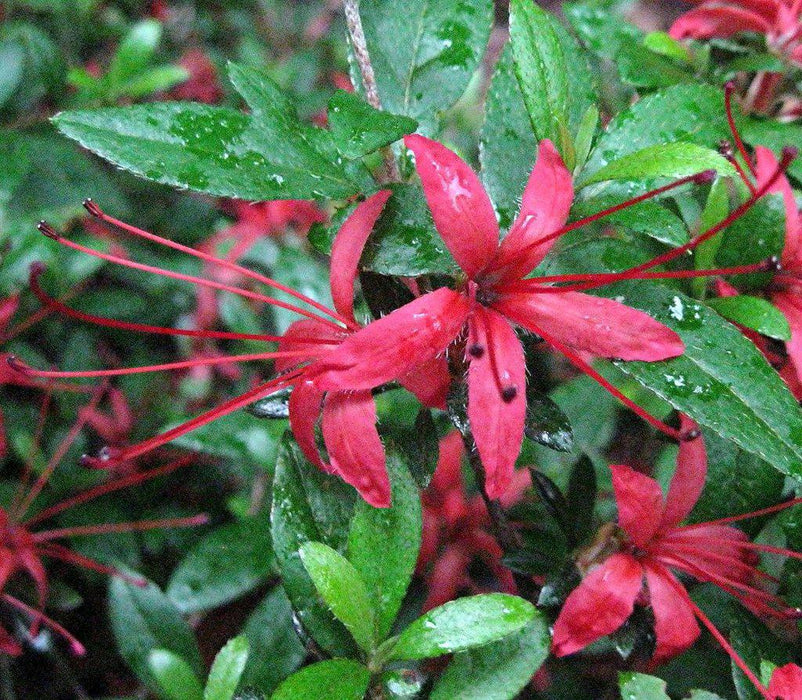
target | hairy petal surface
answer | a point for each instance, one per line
(355, 450)
(674, 623)
(545, 205)
(688, 480)
(599, 605)
(640, 503)
(461, 209)
(430, 382)
(305, 402)
(786, 682)
(596, 325)
(496, 397)
(347, 250)
(394, 345)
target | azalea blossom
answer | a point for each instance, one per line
(24, 543)
(456, 530)
(648, 546)
(492, 296)
(779, 20)
(786, 683)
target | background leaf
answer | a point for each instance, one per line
(338, 678)
(226, 670)
(174, 675)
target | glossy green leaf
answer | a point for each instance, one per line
(546, 424)
(309, 505)
(507, 144)
(424, 53)
(338, 678)
(674, 160)
(774, 135)
(755, 313)
(462, 624)
(540, 65)
(359, 129)
(716, 209)
(227, 669)
(275, 650)
(174, 676)
(666, 45)
(341, 586)
(499, 670)
(383, 544)
(144, 619)
(581, 497)
(226, 563)
(639, 686)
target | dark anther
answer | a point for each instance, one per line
(789, 153)
(508, 393)
(729, 86)
(774, 264)
(725, 148)
(690, 435)
(15, 364)
(48, 230)
(794, 613)
(705, 176)
(92, 208)
(37, 268)
(476, 350)
(105, 458)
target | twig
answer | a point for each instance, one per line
(357, 36)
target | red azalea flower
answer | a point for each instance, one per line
(202, 84)
(493, 296)
(23, 546)
(455, 530)
(649, 543)
(779, 20)
(786, 683)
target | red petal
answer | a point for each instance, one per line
(599, 605)
(707, 22)
(786, 682)
(688, 480)
(448, 474)
(305, 401)
(640, 503)
(460, 207)
(8, 307)
(394, 345)
(544, 209)
(430, 382)
(9, 645)
(347, 250)
(297, 337)
(674, 623)
(497, 424)
(353, 444)
(766, 166)
(599, 326)
(791, 306)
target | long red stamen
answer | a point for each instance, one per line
(729, 88)
(106, 528)
(57, 305)
(19, 366)
(669, 546)
(56, 551)
(745, 516)
(222, 410)
(744, 177)
(714, 631)
(585, 367)
(37, 441)
(109, 487)
(50, 232)
(96, 211)
(58, 455)
(75, 645)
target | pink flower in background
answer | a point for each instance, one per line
(779, 20)
(202, 84)
(651, 545)
(786, 683)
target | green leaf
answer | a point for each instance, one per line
(338, 678)
(12, 59)
(268, 154)
(135, 51)
(664, 44)
(144, 619)
(774, 135)
(227, 669)
(343, 589)
(546, 424)
(462, 624)
(752, 312)
(687, 113)
(540, 65)
(507, 147)
(716, 209)
(154, 80)
(639, 686)
(176, 678)
(309, 505)
(674, 160)
(753, 642)
(276, 650)
(424, 53)
(226, 563)
(34, 59)
(359, 129)
(383, 544)
(499, 670)
(581, 498)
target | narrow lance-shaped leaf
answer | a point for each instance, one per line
(226, 670)
(174, 676)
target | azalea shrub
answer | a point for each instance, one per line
(441, 349)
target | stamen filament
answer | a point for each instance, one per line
(52, 233)
(106, 528)
(75, 645)
(744, 516)
(35, 446)
(729, 88)
(56, 551)
(96, 211)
